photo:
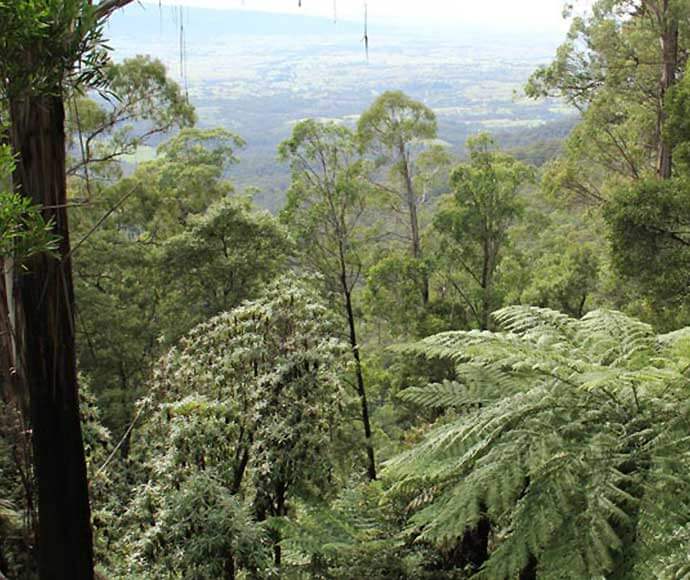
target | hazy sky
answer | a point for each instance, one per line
(536, 15)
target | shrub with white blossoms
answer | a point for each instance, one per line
(246, 405)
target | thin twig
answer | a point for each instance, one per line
(102, 468)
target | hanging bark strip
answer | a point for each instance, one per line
(366, 30)
(44, 334)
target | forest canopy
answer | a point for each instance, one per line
(423, 366)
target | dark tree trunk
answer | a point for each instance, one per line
(44, 334)
(371, 462)
(281, 511)
(475, 544)
(242, 458)
(3, 561)
(354, 345)
(470, 551)
(229, 573)
(487, 286)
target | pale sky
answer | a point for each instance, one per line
(537, 15)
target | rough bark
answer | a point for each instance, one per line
(44, 334)
(669, 50)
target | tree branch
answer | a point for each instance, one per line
(105, 8)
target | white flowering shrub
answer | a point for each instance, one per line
(241, 420)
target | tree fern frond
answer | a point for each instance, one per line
(445, 395)
(541, 323)
(614, 338)
(674, 338)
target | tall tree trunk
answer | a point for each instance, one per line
(371, 462)
(354, 345)
(242, 459)
(280, 511)
(44, 334)
(411, 200)
(13, 383)
(3, 562)
(669, 51)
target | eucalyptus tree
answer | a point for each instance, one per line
(395, 129)
(48, 46)
(647, 220)
(394, 275)
(23, 234)
(115, 270)
(473, 222)
(562, 270)
(648, 230)
(326, 206)
(224, 256)
(617, 67)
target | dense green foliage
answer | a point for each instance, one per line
(424, 367)
(66, 38)
(570, 438)
(474, 222)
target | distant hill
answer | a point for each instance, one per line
(201, 24)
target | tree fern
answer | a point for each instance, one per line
(572, 440)
(355, 537)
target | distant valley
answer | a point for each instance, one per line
(257, 74)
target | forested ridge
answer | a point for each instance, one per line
(423, 366)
